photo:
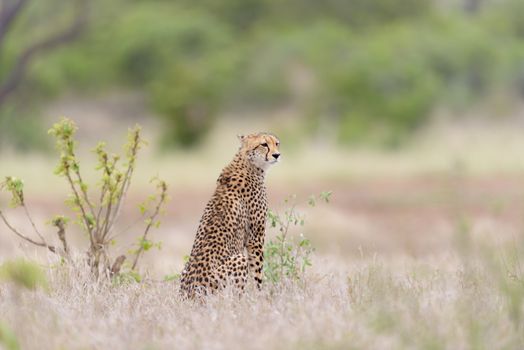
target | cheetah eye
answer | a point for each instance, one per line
(264, 144)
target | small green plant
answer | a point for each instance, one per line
(23, 273)
(144, 244)
(97, 217)
(7, 338)
(126, 277)
(172, 277)
(285, 256)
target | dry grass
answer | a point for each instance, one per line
(457, 302)
(423, 287)
(473, 148)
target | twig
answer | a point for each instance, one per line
(7, 17)
(125, 186)
(127, 180)
(101, 206)
(103, 191)
(16, 232)
(33, 224)
(105, 227)
(151, 220)
(81, 184)
(18, 71)
(79, 202)
(82, 187)
(125, 229)
(59, 223)
(110, 208)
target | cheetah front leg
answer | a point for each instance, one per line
(255, 250)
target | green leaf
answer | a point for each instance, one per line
(16, 187)
(172, 277)
(146, 244)
(127, 278)
(311, 201)
(90, 219)
(326, 195)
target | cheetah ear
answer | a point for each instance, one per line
(241, 138)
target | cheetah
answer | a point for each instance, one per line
(230, 238)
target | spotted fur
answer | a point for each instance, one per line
(230, 238)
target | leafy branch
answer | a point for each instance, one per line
(17, 72)
(285, 257)
(96, 218)
(16, 187)
(145, 244)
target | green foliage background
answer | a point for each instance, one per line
(379, 68)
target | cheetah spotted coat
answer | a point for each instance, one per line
(230, 238)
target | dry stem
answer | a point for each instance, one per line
(151, 219)
(16, 232)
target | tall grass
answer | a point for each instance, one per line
(470, 300)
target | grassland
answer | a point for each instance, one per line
(420, 249)
(454, 302)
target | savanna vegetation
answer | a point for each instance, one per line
(286, 257)
(77, 296)
(473, 300)
(416, 245)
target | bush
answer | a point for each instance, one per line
(286, 257)
(188, 97)
(8, 338)
(185, 59)
(182, 59)
(377, 69)
(385, 85)
(21, 131)
(382, 83)
(359, 14)
(97, 217)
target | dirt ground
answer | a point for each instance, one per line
(416, 216)
(396, 264)
(413, 202)
(391, 271)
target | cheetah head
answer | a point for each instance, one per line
(261, 149)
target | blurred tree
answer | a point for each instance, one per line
(240, 14)
(472, 6)
(385, 85)
(184, 59)
(9, 12)
(355, 13)
(188, 101)
(374, 67)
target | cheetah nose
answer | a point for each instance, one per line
(276, 155)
